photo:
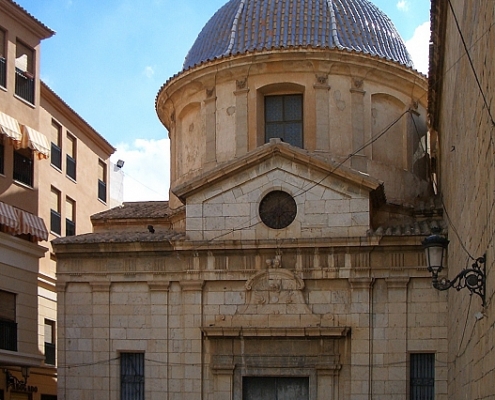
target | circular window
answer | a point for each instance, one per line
(278, 209)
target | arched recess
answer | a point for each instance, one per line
(278, 89)
(391, 147)
(190, 140)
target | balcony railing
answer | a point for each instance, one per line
(23, 169)
(55, 222)
(50, 354)
(70, 227)
(102, 190)
(8, 335)
(56, 156)
(3, 72)
(24, 85)
(71, 167)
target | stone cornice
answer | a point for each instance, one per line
(267, 151)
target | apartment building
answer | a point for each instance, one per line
(54, 174)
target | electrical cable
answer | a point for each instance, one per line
(471, 63)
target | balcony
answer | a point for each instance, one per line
(23, 168)
(102, 190)
(50, 354)
(71, 167)
(24, 85)
(8, 335)
(70, 227)
(3, 72)
(55, 222)
(56, 156)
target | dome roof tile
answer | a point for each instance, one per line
(243, 26)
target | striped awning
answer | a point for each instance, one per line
(36, 141)
(20, 222)
(10, 128)
(8, 217)
(32, 225)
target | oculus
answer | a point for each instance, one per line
(278, 209)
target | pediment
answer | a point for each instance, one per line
(301, 159)
(330, 200)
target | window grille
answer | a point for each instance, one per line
(422, 376)
(132, 376)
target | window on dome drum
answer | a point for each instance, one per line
(284, 118)
(3, 60)
(102, 181)
(422, 376)
(70, 217)
(55, 217)
(56, 153)
(24, 72)
(23, 166)
(132, 376)
(71, 157)
(8, 326)
(50, 355)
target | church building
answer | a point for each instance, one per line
(287, 263)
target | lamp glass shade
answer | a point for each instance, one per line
(434, 257)
(435, 250)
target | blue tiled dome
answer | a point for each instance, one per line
(242, 26)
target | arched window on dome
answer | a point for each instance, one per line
(284, 118)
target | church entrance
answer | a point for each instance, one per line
(275, 388)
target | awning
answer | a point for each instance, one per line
(32, 224)
(8, 217)
(20, 222)
(36, 141)
(10, 128)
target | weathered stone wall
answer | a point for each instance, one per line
(467, 176)
(348, 321)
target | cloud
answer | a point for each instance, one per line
(403, 5)
(419, 47)
(146, 169)
(149, 71)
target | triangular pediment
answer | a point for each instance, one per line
(276, 148)
(328, 200)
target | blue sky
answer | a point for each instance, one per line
(109, 58)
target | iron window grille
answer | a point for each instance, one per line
(56, 156)
(8, 335)
(23, 169)
(71, 167)
(70, 227)
(3, 72)
(422, 376)
(24, 85)
(55, 222)
(132, 376)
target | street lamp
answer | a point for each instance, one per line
(473, 278)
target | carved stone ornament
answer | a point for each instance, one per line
(275, 291)
(241, 84)
(322, 79)
(357, 83)
(210, 92)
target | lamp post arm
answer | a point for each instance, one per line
(473, 278)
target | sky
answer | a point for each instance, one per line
(109, 58)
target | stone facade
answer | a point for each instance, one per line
(216, 294)
(463, 129)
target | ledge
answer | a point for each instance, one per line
(232, 332)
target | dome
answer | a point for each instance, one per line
(243, 26)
